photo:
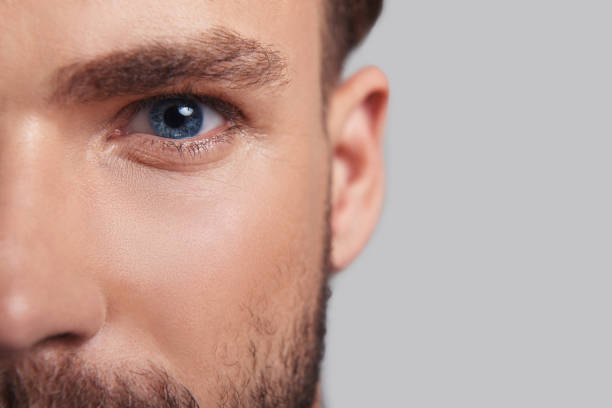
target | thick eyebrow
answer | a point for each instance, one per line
(219, 55)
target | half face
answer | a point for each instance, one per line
(164, 175)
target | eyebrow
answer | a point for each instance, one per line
(219, 55)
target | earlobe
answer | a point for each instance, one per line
(356, 120)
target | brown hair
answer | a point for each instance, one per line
(347, 22)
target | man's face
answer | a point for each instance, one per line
(164, 192)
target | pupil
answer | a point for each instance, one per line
(175, 116)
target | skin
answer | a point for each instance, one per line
(205, 270)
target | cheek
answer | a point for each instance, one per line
(189, 270)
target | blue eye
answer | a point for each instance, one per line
(176, 118)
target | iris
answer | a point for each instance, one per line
(176, 118)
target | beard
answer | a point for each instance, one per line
(63, 380)
(66, 381)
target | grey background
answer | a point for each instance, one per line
(487, 283)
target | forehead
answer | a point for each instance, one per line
(50, 33)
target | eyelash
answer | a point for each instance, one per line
(154, 145)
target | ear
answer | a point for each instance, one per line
(356, 121)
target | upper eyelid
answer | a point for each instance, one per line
(227, 109)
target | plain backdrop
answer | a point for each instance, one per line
(487, 283)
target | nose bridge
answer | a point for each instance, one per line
(44, 291)
(28, 177)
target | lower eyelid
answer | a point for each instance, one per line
(172, 154)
